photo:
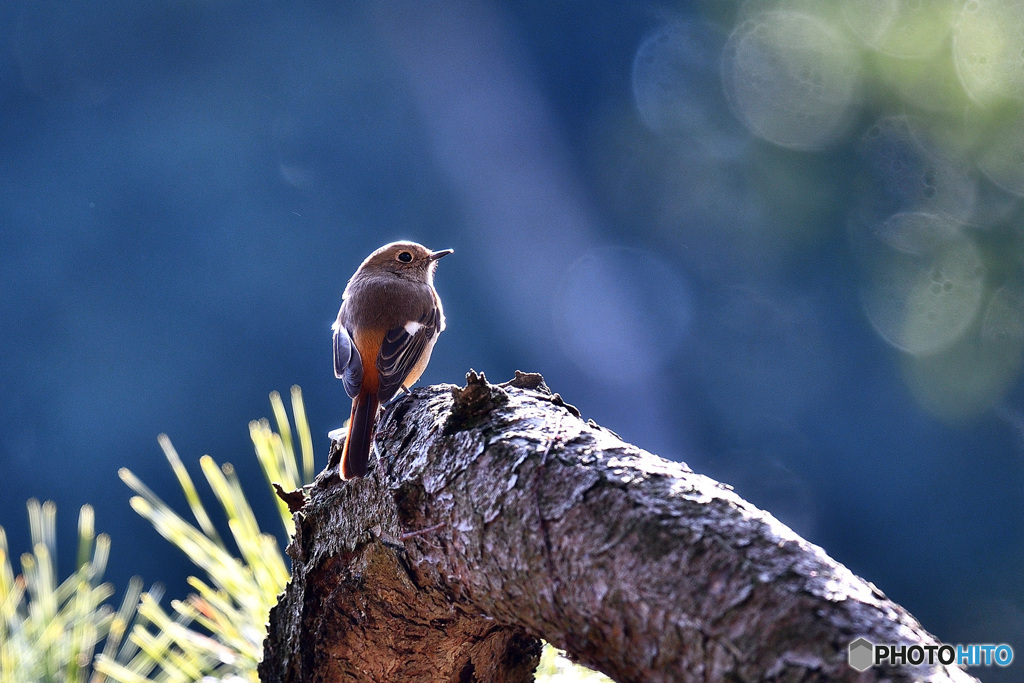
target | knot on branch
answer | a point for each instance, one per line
(535, 382)
(528, 380)
(473, 402)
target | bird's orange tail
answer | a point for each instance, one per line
(360, 435)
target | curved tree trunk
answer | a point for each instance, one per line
(494, 516)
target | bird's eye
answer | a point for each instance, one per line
(405, 257)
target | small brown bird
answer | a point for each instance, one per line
(389, 320)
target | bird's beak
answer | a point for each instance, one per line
(438, 254)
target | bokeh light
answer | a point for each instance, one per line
(989, 49)
(791, 78)
(974, 373)
(671, 86)
(924, 283)
(901, 28)
(1001, 157)
(928, 84)
(909, 173)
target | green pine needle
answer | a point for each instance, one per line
(218, 631)
(49, 631)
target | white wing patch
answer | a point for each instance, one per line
(412, 327)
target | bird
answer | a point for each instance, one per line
(389, 321)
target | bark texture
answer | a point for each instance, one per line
(494, 515)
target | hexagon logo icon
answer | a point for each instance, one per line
(862, 654)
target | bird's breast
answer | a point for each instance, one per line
(383, 302)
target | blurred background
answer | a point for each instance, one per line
(780, 241)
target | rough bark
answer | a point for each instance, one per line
(495, 515)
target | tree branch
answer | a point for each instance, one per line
(494, 516)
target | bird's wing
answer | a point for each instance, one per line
(402, 348)
(348, 366)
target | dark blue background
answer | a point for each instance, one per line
(185, 188)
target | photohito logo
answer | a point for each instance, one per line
(863, 654)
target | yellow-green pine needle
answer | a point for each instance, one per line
(42, 521)
(86, 535)
(234, 600)
(38, 570)
(262, 439)
(119, 624)
(169, 661)
(100, 556)
(50, 631)
(107, 666)
(154, 501)
(35, 521)
(286, 436)
(155, 650)
(189, 488)
(226, 571)
(305, 439)
(215, 478)
(221, 627)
